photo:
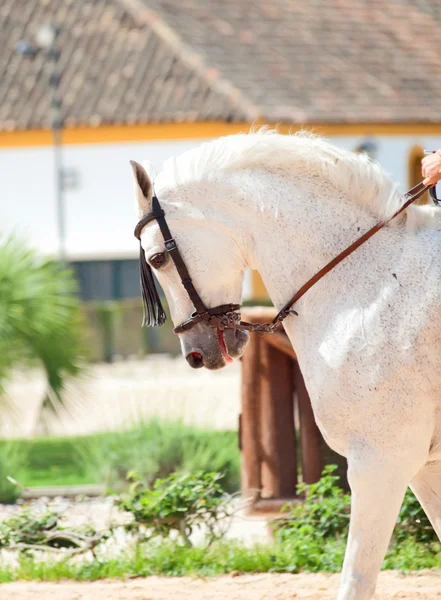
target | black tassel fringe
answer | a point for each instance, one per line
(154, 313)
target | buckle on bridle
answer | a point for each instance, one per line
(170, 245)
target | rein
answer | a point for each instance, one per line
(226, 316)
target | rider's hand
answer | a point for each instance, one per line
(431, 168)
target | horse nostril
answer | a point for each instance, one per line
(195, 360)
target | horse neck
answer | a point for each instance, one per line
(296, 227)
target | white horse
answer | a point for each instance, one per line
(367, 336)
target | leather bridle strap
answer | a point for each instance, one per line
(225, 316)
(172, 249)
(410, 197)
(202, 312)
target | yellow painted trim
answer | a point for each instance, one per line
(179, 131)
(122, 133)
(258, 289)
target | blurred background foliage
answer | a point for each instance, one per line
(40, 317)
(154, 449)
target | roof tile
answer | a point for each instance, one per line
(130, 61)
(357, 60)
(113, 66)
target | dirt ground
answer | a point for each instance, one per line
(425, 585)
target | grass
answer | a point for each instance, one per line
(153, 449)
(221, 558)
(312, 540)
(53, 461)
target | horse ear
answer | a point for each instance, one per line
(150, 169)
(143, 188)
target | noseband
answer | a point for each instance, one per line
(227, 316)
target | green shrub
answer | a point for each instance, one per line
(39, 316)
(178, 503)
(413, 523)
(27, 527)
(32, 530)
(325, 511)
(312, 538)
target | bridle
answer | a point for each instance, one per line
(227, 316)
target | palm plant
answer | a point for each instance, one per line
(39, 316)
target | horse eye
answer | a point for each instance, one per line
(157, 260)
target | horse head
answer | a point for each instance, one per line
(187, 251)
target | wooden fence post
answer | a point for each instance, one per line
(279, 464)
(270, 376)
(249, 434)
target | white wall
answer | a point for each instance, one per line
(100, 212)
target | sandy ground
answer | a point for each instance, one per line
(423, 586)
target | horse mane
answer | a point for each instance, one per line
(354, 175)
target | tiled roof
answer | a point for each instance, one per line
(116, 68)
(133, 61)
(320, 60)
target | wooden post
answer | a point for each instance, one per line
(279, 466)
(310, 436)
(270, 374)
(249, 422)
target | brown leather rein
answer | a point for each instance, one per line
(226, 316)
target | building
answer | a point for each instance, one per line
(146, 79)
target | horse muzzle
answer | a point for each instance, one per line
(212, 348)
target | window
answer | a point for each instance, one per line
(107, 279)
